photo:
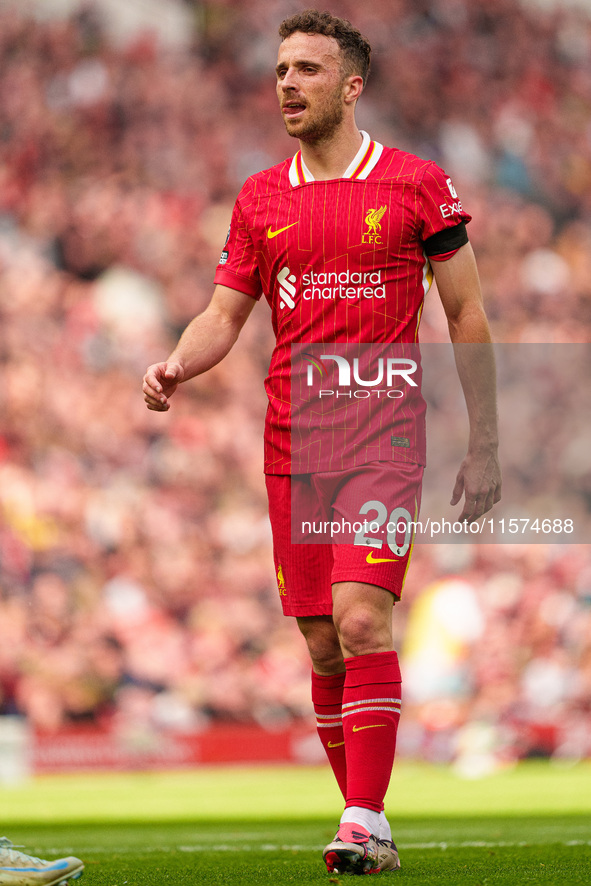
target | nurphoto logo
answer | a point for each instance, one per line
(388, 371)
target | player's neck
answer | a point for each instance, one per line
(331, 157)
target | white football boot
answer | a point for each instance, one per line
(18, 869)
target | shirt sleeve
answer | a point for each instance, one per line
(237, 267)
(439, 206)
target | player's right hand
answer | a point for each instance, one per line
(160, 382)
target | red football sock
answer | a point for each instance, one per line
(327, 698)
(371, 711)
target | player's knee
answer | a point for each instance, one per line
(323, 644)
(361, 632)
(326, 655)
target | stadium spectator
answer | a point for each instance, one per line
(117, 176)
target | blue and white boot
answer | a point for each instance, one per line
(18, 869)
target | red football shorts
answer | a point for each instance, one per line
(354, 525)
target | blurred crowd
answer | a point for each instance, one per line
(136, 577)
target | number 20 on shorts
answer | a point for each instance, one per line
(398, 521)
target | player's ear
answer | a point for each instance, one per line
(353, 87)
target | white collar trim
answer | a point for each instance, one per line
(299, 173)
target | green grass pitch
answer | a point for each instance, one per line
(267, 825)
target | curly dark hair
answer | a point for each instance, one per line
(355, 49)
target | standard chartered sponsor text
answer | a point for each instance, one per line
(343, 284)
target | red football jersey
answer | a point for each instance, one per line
(340, 262)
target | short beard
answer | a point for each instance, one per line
(323, 127)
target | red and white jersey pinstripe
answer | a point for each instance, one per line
(339, 261)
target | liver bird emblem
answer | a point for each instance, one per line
(374, 217)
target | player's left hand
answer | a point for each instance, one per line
(479, 479)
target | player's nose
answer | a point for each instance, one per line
(288, 80)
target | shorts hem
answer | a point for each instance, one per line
(304, 611)
(368, 580)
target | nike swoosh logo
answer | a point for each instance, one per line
(372, 726)
(271, 234)
(371, 559)
(336, 744)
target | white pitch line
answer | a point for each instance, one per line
(465, 844)
(298, 847)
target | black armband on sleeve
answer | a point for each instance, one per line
(446, 240)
